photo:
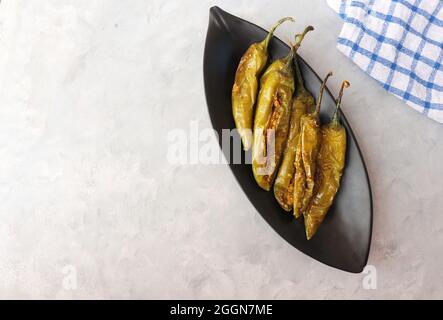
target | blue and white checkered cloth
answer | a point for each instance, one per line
(400, 44)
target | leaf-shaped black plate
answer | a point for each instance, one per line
(344, 238)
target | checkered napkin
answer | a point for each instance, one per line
(400, 44)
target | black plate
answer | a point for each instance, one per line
(344, 238)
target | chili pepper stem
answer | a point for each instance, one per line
(299, 37)
(300, 84)
(274, 27)
(345, 84)
(294, 47)
(288, 59)
(322, 89)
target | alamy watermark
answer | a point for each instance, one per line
(369, 281)
(69, 281)
(202, 146)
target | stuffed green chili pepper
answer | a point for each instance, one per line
(306, 156)
(330, 163)
(244, 91)
(284, 183)
(271, 124)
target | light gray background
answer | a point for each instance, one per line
(88, 93)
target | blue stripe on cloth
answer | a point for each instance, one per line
(434, 71)
(361, 33)
(432, 78)
(389, 64)
(398, 21)
(402, 40)
(419, 52)
(431, 17)
(380, 40)
(395, 43)
(341, 11)
(410, 97)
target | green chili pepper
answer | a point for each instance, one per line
(271, 124)
(244, 91)
(284, 183)
(330, 163)
(306, 156)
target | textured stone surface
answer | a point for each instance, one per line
(88, 93)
